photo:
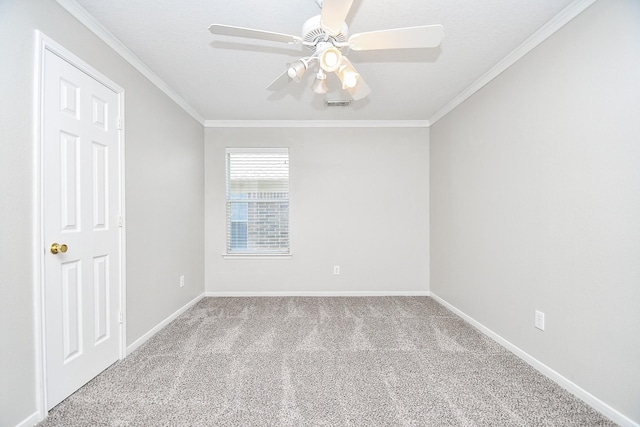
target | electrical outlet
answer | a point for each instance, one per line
(539, 320)
(182, 281)
(336, 269)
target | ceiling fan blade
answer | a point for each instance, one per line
(398, 38)
(280, 82)
(333, 15)
(250, 33)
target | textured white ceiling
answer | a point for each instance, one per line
(224, 78)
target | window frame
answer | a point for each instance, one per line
(253, 255)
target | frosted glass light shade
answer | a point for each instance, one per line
(320, 84)
(330, 59)
(296, 70)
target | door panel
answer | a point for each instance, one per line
(71, 309)
(100, 189)
(81, 198)
(101, 294)
(70, 184)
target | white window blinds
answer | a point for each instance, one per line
(258, 201)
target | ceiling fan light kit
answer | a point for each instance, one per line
(326, 35)
(320, 84)
(296, 70)
(330, 59)
(348, 76)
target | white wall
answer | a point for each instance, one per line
(535, 203)
(359, 199)
(164, 174)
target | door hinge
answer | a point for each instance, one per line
(120, 317)
(120, 221)
(119, 123)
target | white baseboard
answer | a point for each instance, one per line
(137, 343)
(562, 381)
(30, 421)
(319, 294)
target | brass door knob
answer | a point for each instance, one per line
(57, 247)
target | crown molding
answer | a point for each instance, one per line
(554, 24)
(112, 41)
(316, 123)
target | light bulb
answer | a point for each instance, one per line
(349, 79)
(296, 70)
(330, 59)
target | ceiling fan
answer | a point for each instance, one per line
(326, 35)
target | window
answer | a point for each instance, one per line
(258, 201)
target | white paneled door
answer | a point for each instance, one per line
(81, 227)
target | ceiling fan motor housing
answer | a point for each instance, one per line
(313, 33)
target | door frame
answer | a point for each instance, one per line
(44, 44)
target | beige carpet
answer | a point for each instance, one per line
(293, 361)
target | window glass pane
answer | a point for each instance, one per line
(238, 236)
(239, 211)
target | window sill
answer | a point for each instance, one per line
(256, 256)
